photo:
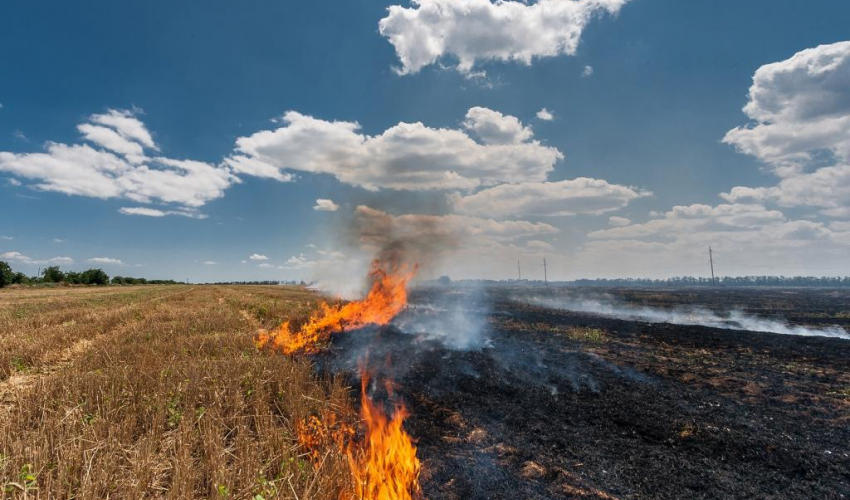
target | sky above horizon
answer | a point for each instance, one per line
(275, 140)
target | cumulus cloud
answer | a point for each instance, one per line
(106, 260)
(155, 212)
(297, 262)
(257, 256)
(747, 239)
(492, 127)
(800, 109)
(587, 71)
(545, 115)
(210, 263)
(472, 31)
(618, 221)
(24, 259)
(115, 163)
(826, 187)
(325, 205)
(799, 106)
(563, 198)
(409, 156)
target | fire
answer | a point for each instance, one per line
(387, 297)
(386, 466)
(383, 465)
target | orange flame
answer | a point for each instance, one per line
(385, 300)
(386, 468)
(384, 465)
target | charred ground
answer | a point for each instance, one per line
(573, 405)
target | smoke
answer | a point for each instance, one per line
(403, 240)
(455, 318)
(729, 320)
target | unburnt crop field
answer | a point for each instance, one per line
(156, 392)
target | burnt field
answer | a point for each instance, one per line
(514, 400)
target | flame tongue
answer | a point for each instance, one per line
(385, 300)
(384, 465)
(387, 467)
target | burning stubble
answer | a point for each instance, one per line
(383, 465)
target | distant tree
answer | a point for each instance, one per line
(94, 277)
(117, 280)
(444, 280)
(21, 279)
(53, 275)
(73, 278)
(6, 276)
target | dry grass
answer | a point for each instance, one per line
(158, 392)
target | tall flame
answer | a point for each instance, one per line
(386, 467)
(386, 298)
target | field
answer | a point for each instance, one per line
(156, 392)
(160, 392)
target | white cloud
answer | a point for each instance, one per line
(801, 113)
(24, 259)
(154, 212)
(106, 260)
(747, 239)
(571, 197)
(539, 246)
(479, 30)
(13, 182)
(618, 221)
(800, 106)
(298, 262)
(7, 238)
(492, 127)
(210, 263)
(127, 125)
(266, 265)
(17, 134)
(826, 187)
(587, 71)
(117, 167)
(257, 256)
(407, 156)
(59, 240)
(545, 115)
(325, 205)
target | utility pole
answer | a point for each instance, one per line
(518, 271)
(545, 278)
(711, 262)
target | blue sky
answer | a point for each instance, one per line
(668, 80)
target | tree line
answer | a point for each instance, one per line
(789, 281)
(53, 274)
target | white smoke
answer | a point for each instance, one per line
(455, 318)
(731, 320)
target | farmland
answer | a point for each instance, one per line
(141, 392)
(161, 392)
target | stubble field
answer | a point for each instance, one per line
(156, 392)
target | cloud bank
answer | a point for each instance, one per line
(488, 149)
